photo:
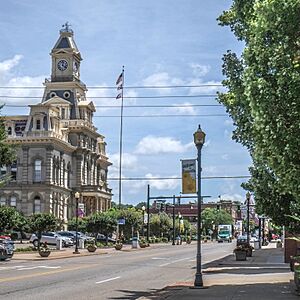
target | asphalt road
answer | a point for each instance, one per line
(117, 275)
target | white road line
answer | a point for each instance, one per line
(174, 261)
(10, 268)
(106, 280)
(159, 258)
(38, 267)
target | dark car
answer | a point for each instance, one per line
(102, 238)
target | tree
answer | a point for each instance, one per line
(141, 204)
(263, 87)
(8, 217)
(104, 223)
(7, 152)
(82, 223)
(42, 222)
(21, 225)
(212, 217)
(160, 224)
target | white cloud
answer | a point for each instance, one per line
(199, 70)
(129, 161)
(7, 65)
(225, 156)
(166, 184)
(154, 145)
(185, 109)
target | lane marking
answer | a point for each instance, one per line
(109, 279)
(41, 274)
(174, 261)
(10, 268)
(38, 267)
(159, 258)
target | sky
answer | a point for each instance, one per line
(159, 43)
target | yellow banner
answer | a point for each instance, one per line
(188, 176)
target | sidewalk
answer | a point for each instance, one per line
(263, 276)
(68, 253)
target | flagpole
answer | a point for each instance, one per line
(121, 142)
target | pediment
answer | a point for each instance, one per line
(56, 100)
(88, 104)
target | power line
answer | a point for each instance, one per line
(160, 116)
(125, 97)
(126, 87)
(139, 106)
(179, 178)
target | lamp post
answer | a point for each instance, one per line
(248, 195)
(173, 241)
(179, 233)
(77, 195)
(199, 139)
(143, 209)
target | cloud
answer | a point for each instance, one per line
(7, 65)
(154, 145)
(129, 161)
(225, 156)
(199, 70)
(166, 184)
(185, 109)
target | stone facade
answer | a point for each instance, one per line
(59, 151)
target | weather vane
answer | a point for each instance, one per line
(66, 27)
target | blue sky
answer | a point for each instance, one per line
(159, 43)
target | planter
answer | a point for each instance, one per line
(143, 245)
(241, 255)
(91, 248)
(118, 246)
(297, 276)
(188, 241)
(249, 252)
(44, 253)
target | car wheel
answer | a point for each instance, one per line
(35, 243)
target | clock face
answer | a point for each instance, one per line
(62, 65)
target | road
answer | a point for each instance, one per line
(117, 275)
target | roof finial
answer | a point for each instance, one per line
(66, 27)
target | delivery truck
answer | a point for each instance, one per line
(224, 233)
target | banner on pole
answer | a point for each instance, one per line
(188, 176)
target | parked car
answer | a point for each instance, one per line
(82, 236)
(102, 238)
(51, 238)
(6, 248)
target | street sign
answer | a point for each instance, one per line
(121, 222)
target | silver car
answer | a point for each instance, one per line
(6, 249)
(51, 239)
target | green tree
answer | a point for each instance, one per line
(21, 224)
(160, 225)
(105, 223)
(7, 152)
(42, 222)
(212, 217)
(8, 217)
(263, 87)
(82, 224)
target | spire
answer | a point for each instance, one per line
(66, 40)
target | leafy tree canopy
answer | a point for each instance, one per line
(263, 88)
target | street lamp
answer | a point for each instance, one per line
(143, 209)
(248, 195)
(77, 195)
(199, 139)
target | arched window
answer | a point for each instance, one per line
(2, 201)
(9, 131)
(37, 170)
(36, 205)
(13, 201)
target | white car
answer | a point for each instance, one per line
(51, 238)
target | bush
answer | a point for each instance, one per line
(27, 249)
(165, 240)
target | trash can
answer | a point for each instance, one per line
(81, 243)
(256, 245)
(135, 242)
(58, 244)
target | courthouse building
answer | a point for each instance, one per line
(59, 150)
